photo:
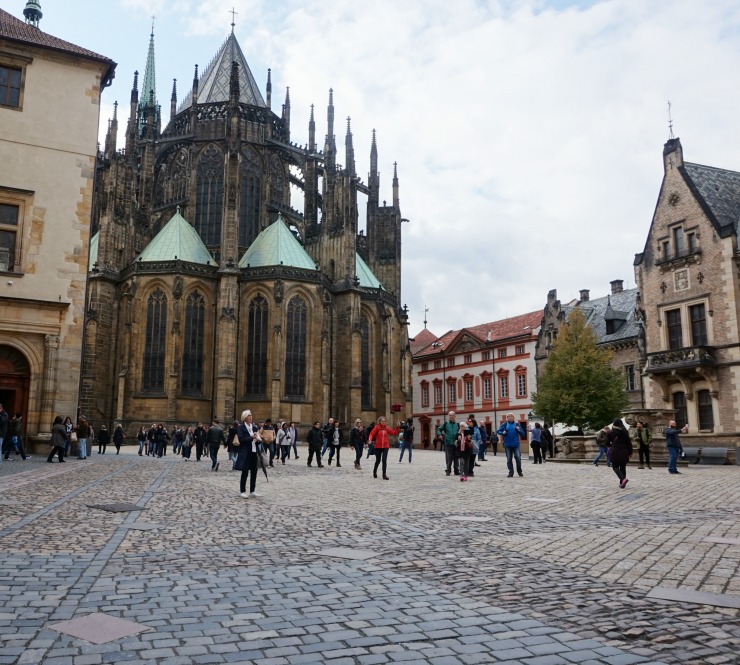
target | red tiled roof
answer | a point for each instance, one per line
(422, 339)
(500, 330)
(19, 31)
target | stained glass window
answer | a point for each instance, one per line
(192, 355)
(256, 374)
(209, 196)
(295, 348)
(155, 343)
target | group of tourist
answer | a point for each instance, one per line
(11, 435)
(615, 444)
(64, 433)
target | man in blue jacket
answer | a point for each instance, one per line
(673, 443)
(509, 435)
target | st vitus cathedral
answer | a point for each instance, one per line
(208, 293)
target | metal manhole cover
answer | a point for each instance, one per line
(118, 507)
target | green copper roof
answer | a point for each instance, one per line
(275, 246)
(365, 275)
(177, 241)
(93, 256)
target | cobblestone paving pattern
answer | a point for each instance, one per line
(558, 575)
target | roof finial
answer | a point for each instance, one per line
(153, 19)
(233, 13)
(670, 121)
(426, 309)
(32, 12)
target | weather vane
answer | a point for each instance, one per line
(670, 121)
(426, 309)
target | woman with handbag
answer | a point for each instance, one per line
(59, 439)
(247, 445)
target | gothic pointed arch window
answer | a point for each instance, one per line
(256, 369)
(155, 343)
(192, 354)
(366, 375)
(209, 196)
(250, 183)
(295, 348)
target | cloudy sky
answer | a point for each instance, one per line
(528, 133)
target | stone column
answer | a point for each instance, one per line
(48, 382)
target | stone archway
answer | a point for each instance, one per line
(15, 380)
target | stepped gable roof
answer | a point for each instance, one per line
(365, 275)
(499, 330)
(422, 339)
(93, 256)
(616, 306)
(718, 192)
(177, 241)
(276, 246)
(213, 84)
(15, 30)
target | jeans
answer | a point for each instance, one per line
(358, 451)
(465, 457)
(644, 452)
(82, 443)
(198, 450)
(186, 452)
(213, 451)
(17, 442)
(332, 449)
(482, 450)
(370, 449)
(326, 445)
(285, 453)
(603, 452)
(672, 459)
(516, 453)
(452, 460)
(295, 449)
(56, 450)
(406, 445)
(537, 451)
(142, 443)
(494, 446)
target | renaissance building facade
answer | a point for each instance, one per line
(209, 293)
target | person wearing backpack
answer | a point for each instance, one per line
(643, 438)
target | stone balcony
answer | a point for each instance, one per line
(688, 358)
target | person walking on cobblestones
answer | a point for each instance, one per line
(15, 436)
(216, 438)
(232, 443)
(141, 438)
(449, 430)
(83, 434)
(58, 440)
(547, 442)
(103, 440)
(161, 437)
(315, 438)
(621, 451)
(464, 447)
(536, 441)
(336, 441)
(326, 432)
(602, 441)
(643, 439)
(293, 433)
(200, 434)
(3, 430)
(510, 434)
(187, 443)
(380, 437)
(407, 429)
(118, 437)
(673, 443)
(358, 439)
(267, 433)
(283, 441)
(151, 437)
(248, 437)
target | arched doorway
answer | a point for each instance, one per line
(15, 379)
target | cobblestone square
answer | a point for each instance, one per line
(332, 566)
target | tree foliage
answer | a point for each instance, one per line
(578, 387)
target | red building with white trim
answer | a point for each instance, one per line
(487, 370)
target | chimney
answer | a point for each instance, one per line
(617, 286)
(584, 295)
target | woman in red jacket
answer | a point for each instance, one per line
(380, 437)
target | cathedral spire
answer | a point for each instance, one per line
(173, 99)
(373, 179)
(135, 89)
(195, 86)
(311, 132)
(349, 148)
(268, 90)
(286, 113)
(395, 184)
(330, 147)
(110, 138)
(32, 12)
(149, 88)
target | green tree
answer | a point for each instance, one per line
(578, 387)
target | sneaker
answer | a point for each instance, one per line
(521, 475)
(386, 478)
(339, 465)
(218, 464)
(596, 464)
(309, 464)
(447, 473)
(463, 479)
(321, 466)
(677, 473)
(244, 494)
(375, 474)
(254, 495)
(511, 475)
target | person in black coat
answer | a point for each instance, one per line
(336, 441)
(118, 437)
(103, 440)
(358, 439)
(248, 437)
(621, 450)
(315, 439)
